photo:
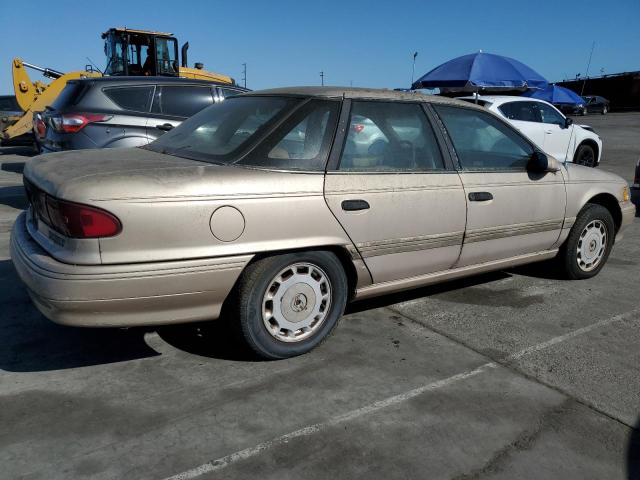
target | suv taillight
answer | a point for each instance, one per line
(80, 221)
(74, 122)
(40, 126)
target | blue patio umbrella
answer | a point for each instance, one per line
(556, 94)
(482, 71)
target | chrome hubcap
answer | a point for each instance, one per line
(592, 245)
(296, 302)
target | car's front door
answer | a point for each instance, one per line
(557, 134)
(510, 211)
(392, 192)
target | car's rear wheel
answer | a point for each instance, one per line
(589, 243)
(604, 110)
(585, 155)
(286, 305)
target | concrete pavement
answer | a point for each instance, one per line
(509, 375)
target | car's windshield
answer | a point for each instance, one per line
(220, 132)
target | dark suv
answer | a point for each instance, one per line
(122, 112)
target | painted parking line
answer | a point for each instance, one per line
(221, 463)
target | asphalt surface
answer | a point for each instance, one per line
(514, 374)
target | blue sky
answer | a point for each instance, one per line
(367, 43)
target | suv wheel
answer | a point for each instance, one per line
(286, 305)
(589, 243)
(585, 155)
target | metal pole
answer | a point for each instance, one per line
(244, 74)
(413, 68)
(322, 78)
(588, 65)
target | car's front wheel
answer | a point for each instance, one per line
(585, 155)
(589, 243)
(286, 305)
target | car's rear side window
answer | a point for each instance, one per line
(217, 134)
(390, 136)
(482, 142)
(302, 142)
(136, 99)
(182, 100)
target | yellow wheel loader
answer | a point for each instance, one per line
(129, 52)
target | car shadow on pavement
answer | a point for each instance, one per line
(213, 339)
(13, 167)
(31, 343)
(25, 151)
(387, 300)
(13, 196)
(633, 453)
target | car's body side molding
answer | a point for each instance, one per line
(455, 273)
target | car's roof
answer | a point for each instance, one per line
(499, 99)
(359, 93)
(160, 79)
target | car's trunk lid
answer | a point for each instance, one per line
(62, 174)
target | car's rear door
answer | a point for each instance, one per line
(173, 103)
(127, 127)
(510, 211)
(393, 190)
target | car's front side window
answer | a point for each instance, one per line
(550, 115)
(136, 99)
(482, 142)
(183, 100)
(386, 136)
(302, 142)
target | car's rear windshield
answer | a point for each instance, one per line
(71, 95)
(219, 133)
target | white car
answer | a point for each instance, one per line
(554, 133)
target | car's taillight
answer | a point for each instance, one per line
(74, 122)
(39, 125)
(81, 221)
(358, 127)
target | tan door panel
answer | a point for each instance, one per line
(413, 225)
(524, 215)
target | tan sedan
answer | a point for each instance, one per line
(276, 208)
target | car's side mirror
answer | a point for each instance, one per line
(568, 122)
(540, 163)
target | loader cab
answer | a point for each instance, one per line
(140, 52)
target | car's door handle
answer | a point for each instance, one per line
(354, 205)
(480, 196)
(164, 126)
(548, 131)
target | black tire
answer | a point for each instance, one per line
(585, 155)
(245, 307)
(569, 258)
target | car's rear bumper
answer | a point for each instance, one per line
(123, 295)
